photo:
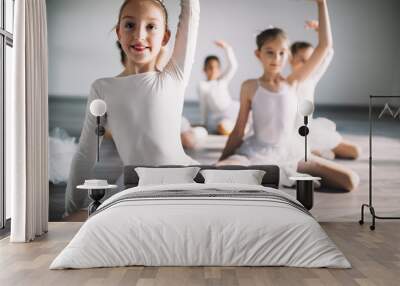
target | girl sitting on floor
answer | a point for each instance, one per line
(273, 101)
(219, 111)
(325, 141)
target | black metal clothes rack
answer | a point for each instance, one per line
(369, 205)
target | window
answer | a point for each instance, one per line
(9, 15)
(6, 44)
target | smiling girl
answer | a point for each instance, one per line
(144, 105)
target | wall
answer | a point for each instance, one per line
(82, 43)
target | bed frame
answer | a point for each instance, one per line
(270, 179)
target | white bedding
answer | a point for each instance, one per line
(202, 231)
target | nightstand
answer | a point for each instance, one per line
(95, 193)
(305, 190)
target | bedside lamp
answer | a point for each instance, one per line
(98, 109)
(305, 183)
(305, 109)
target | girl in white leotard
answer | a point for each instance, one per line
(273, 114)
(144, 106)
(218, 110)
(273, 102)
(324, 139)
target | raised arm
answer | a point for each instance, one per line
(236, 137)
(322, 68)
(83, 160)
(186, 38)
(324, 44)
(232, 61)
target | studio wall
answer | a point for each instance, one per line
(366, 33)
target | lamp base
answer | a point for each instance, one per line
(96, 196)
(305, 193)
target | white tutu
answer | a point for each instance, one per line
(286, 156)
(62, 148)
(323, 134)
(200, 134)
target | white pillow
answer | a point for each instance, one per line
(163, 176)
(248, 177)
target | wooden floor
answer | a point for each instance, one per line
(375, 257)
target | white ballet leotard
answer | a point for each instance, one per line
(274, 139)
(216, 104)
(144, 112)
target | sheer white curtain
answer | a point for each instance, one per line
(27, 123)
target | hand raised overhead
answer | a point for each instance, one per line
(312, 25)
(221, 44)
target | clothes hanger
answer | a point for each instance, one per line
(386, 109)
(397, 114)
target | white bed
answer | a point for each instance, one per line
(201, 225)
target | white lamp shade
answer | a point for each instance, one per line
(305, 107)
(98, 107)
